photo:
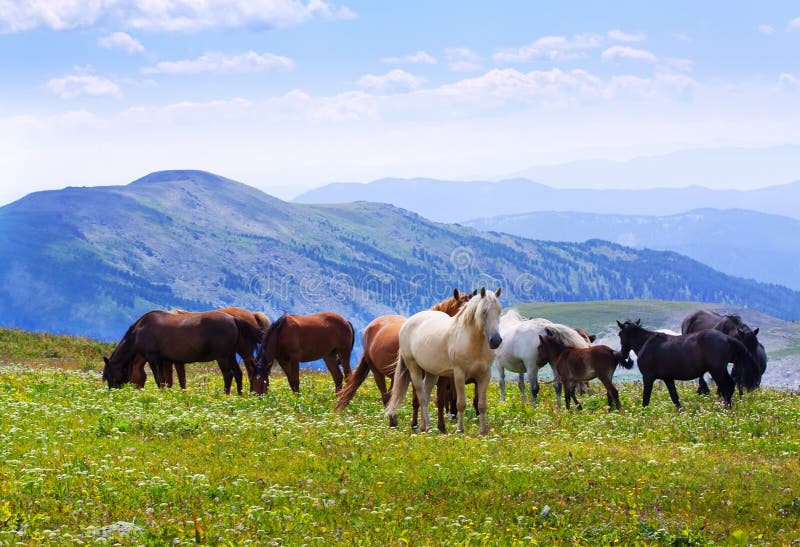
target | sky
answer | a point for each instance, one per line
(290, 94)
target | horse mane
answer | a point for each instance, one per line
(566, 336)
(513, 313)
(272, 332)
(751, 371)
(468, 315)
(262, 319)
(179, 311)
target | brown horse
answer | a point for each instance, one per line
(380, 342)
(573, 365)
(245, 349)
(294, 339)
(161, 337)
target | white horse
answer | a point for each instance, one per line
(521, 348)
(433, 344)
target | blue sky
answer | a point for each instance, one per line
(286, 94)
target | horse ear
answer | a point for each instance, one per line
(455, 294)
(497, 292)
(740, 330)
(483, 292)
(755, 331)
(474, 292)
(548, 331)
(619, 324)
(592, 337)
(541, 339)
(639, 322)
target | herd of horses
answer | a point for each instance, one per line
(457, 341)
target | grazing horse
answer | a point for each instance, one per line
(686, 357)
(381, 342)
(519, 351)
(294, 339)
(161, 337)
(573, 365)
(433, 344)
(732, 325)
(246, 349)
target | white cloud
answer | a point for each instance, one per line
(163, 15)
(681, 65)
(83, 82)
(788, 81)
(766, 29)
(615, 53)
(121, 40)
(395, 80)
(554, 48)
(462, 59)
(221, 63)
(413, 58)
(794, 24)
(621, 36)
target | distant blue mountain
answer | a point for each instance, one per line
(746, 243)
(91, 260)
(451, 201)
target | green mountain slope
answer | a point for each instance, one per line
(90, 260)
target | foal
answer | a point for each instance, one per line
(574, 365)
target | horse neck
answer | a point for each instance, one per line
(640, 336)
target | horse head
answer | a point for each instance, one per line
(630, 335)
(116, 372)
(486, 311)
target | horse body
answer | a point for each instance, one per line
(162, 338)
(381, 345)
(574, 365)
(294, 339)
(687, 357)
(732, 325)
(432, 344)
(520, 348)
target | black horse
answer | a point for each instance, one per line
(668, 358)
(732, 325)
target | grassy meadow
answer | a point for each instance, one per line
(82, 464)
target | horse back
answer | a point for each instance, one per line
(581, 364)
(188, 337)
(314, 336)
(700, 320)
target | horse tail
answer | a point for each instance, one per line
(349, 390)
(750, 375)
(352, 336)
(623, 360)
(262, 320)
(399, 387)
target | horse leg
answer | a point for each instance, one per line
(647, 390)
(533, 380)
(167, 375)
(414, 407)
(557, 386)
(673, 393)
(702, 386)
(249, 367)
(611, 393)
(236, 370)
(428, 381)
(461, 397)
(569, 389)
(227, 375)
(138, 377)
(380, 381)
(180, 368)
(521, 384)
(502, 382)
(442, 400)
(417, 378)
(332, 362)
(481, 387)
(725, 384)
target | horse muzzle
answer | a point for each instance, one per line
(495, 341)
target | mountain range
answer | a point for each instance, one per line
(459, 201)
(91, 260)
(734, 241)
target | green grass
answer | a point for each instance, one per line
(18, 345)
(197, 466)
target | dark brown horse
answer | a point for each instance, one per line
(380, 343)
(245, 349)
(687, 357)
(732, 325)
(294, 339)
(161, 338)
(575, 365)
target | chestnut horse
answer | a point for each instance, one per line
(573, 365)
(161, 337)
(380, 342)
(433, 344)
(294, 339)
